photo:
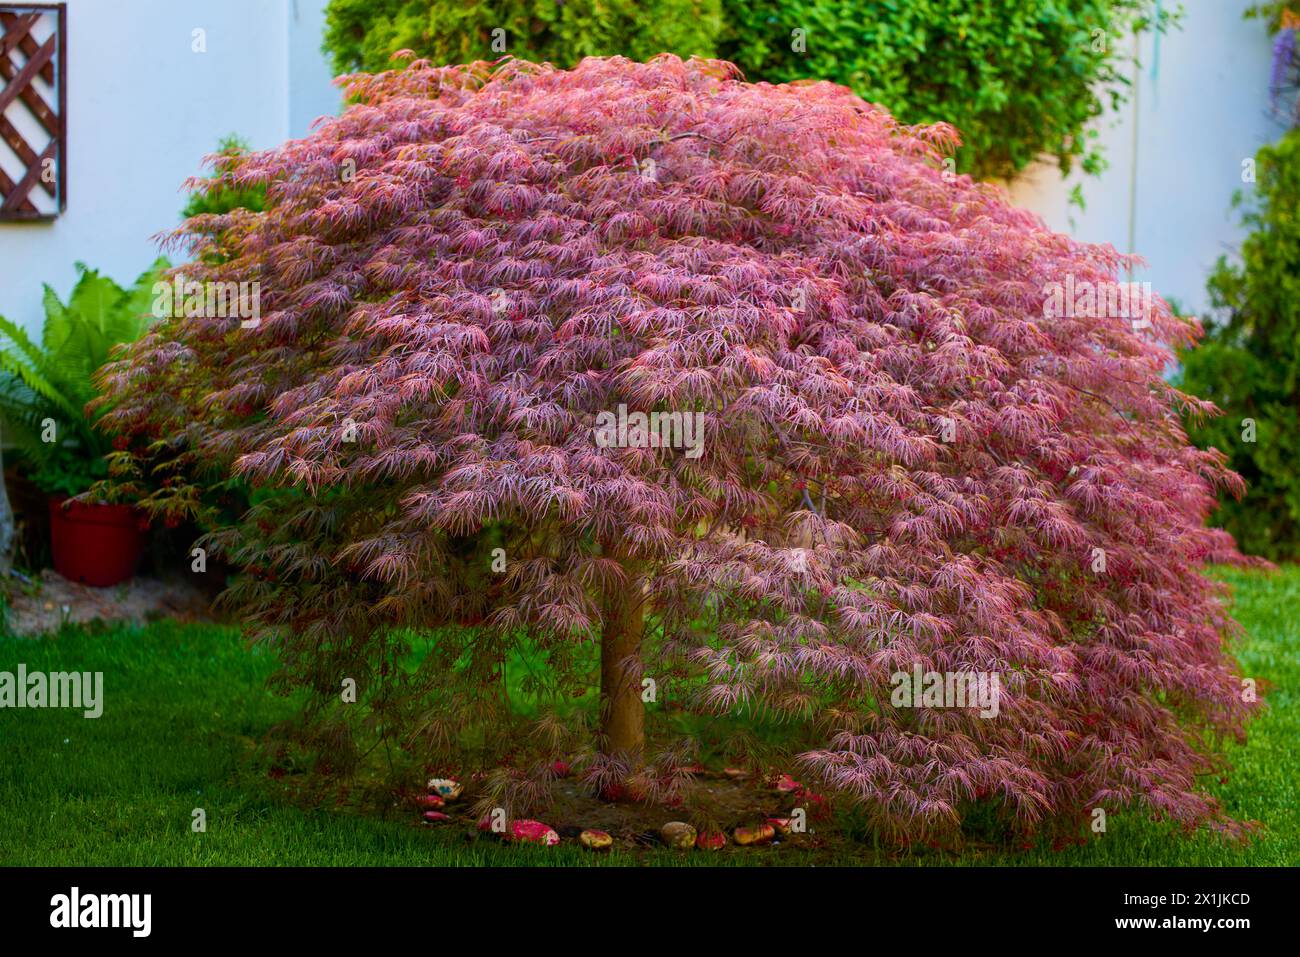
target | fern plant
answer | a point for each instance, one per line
(44, 388)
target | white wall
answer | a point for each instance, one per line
(312, 93)
(1203, 113)
(143, 109)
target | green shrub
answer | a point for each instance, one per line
(1273, 12)
(224, 199)
(1249, 362)
(364, 34)
(1018, 79)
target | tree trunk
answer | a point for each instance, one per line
(622, 713)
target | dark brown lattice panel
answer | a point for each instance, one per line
(33, 110)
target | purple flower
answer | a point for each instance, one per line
(1283, 54)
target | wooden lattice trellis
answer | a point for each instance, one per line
(33, 46)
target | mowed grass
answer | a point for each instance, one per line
(186, 704)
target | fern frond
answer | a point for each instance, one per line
(34, 373)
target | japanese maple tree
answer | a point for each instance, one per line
(903, 462)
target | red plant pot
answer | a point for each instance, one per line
(98, 545)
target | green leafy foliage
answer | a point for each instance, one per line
(1249, 362)
(364, 34)
(1273, 11)
(44, 387)
(1017, 79)
(222, 199)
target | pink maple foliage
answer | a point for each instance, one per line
(902, 461)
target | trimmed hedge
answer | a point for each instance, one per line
(1018, 79)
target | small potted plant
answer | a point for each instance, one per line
(44, 390)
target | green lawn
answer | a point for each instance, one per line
(185, 704)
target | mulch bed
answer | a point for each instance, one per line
(52, 601)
